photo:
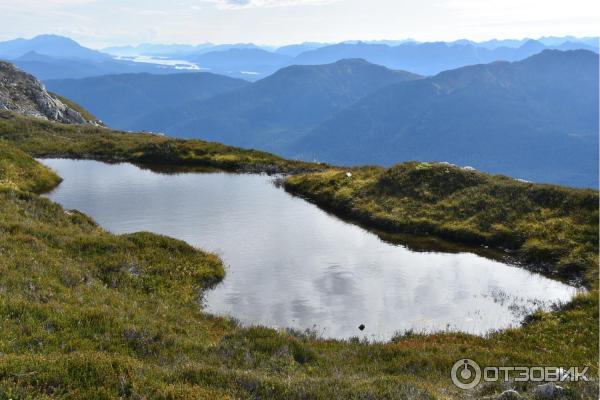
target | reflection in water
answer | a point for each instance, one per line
(293, 265)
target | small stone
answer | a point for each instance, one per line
(361, 327)
(509, 395)
(548, 391)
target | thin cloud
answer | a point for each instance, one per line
(37, 4)
(237, 4)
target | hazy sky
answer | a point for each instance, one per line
(99, 23)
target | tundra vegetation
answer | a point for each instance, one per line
(550, 228)
(85, 314)
(49, 139)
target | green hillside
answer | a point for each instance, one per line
(549, 228)
(19, 171)
(48, 139)
(85, 314)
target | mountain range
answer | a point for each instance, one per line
(56, 57)
(249, 63)
(125, 101)
(252, 62)
(274, 111)
(52, 46)
(174, 50)
(535, 119)
(265, 114)
(429, 58)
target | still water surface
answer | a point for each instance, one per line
(292, 265)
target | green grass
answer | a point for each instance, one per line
(18, 170)
(85, 314)
(549, 227)
(50, 139)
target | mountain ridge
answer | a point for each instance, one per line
(120, 99)
(535, 119)
(527, 104)
(50, 45)
(67, 59)
(429, 58)
(280, 106)
(23, 93)
(59, 57)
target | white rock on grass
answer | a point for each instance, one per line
(509, 395)
(548, 391)
(23, 93)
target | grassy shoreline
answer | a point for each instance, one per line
(87, 314)
(41, 138)
(547, 228)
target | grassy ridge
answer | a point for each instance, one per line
(49, 139)
(552, 227)
(19, 171)
(85, 314)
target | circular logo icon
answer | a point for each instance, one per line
(466, 374)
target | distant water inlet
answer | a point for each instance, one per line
(292, 265)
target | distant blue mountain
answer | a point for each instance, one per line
(174, 50)
(120, 100)
(52, 46)
(150, 49)
(250, 63)
(293, 50)
(535, 119)
(428, 58)
(47, 67)
(559, 40)
(495, 43)
(57, 57)
(422, 58)
(276, 109)
(223, 47)
(67, 59)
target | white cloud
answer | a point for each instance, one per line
(37, 4)
(237, 4)
(100, 23)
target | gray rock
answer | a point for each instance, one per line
(23, 93)
(509, 395)
(549, 391)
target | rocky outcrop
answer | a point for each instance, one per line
(549, 391)
(23, 93)
(509, 395)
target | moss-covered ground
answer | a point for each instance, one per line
(85, 314)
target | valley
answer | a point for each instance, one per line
(86, 289)
(349, 220)
(534, 119)
(292, 266)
